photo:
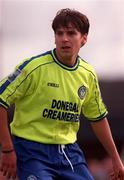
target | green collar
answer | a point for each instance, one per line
(70, 68)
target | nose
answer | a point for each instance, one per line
(65, 37)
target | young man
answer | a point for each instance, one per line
(49, 92)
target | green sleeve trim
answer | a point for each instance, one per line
(99, 118)
(2, 103)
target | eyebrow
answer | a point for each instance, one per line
(67, 28)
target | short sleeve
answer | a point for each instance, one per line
(93, 108)
(15, 86)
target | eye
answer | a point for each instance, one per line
(71, 33)
(59, 33)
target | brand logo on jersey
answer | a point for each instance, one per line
(52, 84)
(82, 92)
(31, 177)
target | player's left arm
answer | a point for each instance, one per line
(103, 133)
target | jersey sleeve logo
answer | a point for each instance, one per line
(14, 75)
(82, 92)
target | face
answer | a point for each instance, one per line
(69, 41)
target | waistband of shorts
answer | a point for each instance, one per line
(20, 139)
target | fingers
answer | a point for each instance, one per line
(8, 171)
(9, 175)
(116, 176)
(8, 165)
(112, 176)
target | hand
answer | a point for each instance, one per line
(118, 171)
(8, 164)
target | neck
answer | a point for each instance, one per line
(67, 60)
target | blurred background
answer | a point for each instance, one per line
(25, 31)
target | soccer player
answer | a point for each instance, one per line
(50, 91)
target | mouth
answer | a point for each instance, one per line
(66, 47)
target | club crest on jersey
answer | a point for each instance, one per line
(82, 91)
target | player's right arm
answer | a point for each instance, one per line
(8, 155)
(12, 89)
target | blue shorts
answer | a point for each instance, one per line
(37, 161)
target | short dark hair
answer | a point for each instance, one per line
(67, 16)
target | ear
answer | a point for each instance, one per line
(54, 38)
(84, 39)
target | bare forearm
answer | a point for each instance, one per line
(103, 133)
(5, 138)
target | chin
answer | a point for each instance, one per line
(67, 56)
